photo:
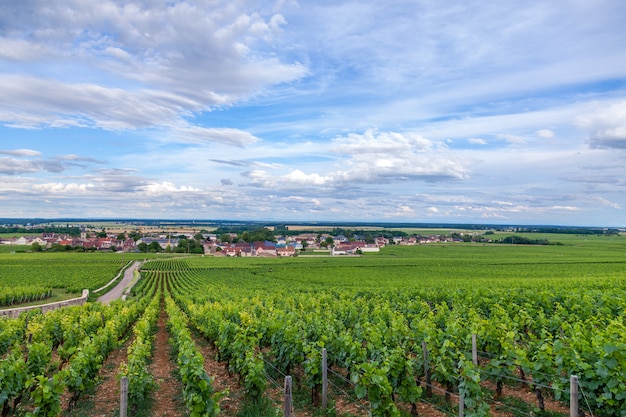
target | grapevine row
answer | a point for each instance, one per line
(198, 392)
(140, 380)
(81, 336)
(375, 337)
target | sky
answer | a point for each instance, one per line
(460, 111)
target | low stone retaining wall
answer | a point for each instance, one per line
(14, 312)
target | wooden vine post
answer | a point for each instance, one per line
(124, 396)
(573, 396)
(474, 351)
(324, 380)
(429, 388)
(287, 397)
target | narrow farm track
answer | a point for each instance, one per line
(222, 381)
(167, 397)
(117, 292)
(107, 396)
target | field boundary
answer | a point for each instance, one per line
(128, 265)
(15, 312)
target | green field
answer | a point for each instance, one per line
(545, 311)
(540, 314)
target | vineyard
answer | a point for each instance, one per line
(397, 329)
(72, 272)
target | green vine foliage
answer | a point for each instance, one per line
(470, 389)
(371, 382)
(46, 395)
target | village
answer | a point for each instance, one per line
(229, 244)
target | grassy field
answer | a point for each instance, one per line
(451, 265)
(554, 310)
(374, 310)
(71, 272)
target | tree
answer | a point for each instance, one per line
(225, 238)
(102, 233)
(329, 241)
(135, 235)
(262, 234)
(189, 246)
(121, 237)
(57, 247)
(155, 247)
(305, 245)
(142, 247)
(36, 247)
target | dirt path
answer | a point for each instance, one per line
(167, 397)
(107, 397)
(118, 291)
(222, 380)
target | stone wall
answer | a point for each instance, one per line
(14, 312)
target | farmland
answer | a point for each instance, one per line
(539, 313)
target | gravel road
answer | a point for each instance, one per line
(118, 291)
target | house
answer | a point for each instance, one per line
(40, 241)
(287, 250)
(128, 245)
(210, 246)
(238, 249)
(24, 240)
(104, 243)
(341, 239)
(352, 248)
(210, 237)
(370, 248)
(264, 249)
(344, 249)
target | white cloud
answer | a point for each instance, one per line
(608, 203)
(445, 199)
(21, 152)
(21, 50)
(425, 111)
(606, 126)
(226, 136)
(392, 156)
(545, 133)
(13, 166)
(70, 188)
(563, 208)
(402, 211)
(298, 177)
(374, 158)
(373, 142)
(77, 158)
(166, 188)
(477, 141)
(513, 139)
(139, 64)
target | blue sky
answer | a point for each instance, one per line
(408, 111)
